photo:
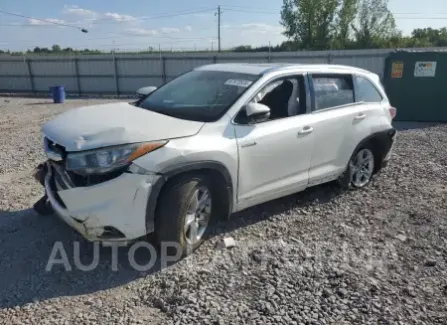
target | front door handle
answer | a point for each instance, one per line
(360, 116)
(306, 130)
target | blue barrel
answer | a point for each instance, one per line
(58, 94)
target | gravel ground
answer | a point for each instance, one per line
(324, 256)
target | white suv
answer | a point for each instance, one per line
(216, 140)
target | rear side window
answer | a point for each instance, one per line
(332, 90)
(365, 91)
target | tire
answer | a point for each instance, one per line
(174, 211)
(356, 176)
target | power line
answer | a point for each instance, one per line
(157, 16)
(253, 11)
(152, 36)
(43, 20)
(419, 18)
(24, 25)
(126, 35)
(419, 13)
(110, 20)
(256, 8)
(275, 11)
(394, 13)
(166, 15)
(168, 37)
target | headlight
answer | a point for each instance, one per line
(104, 160)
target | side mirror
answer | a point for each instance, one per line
(257, 112)
(145, 91)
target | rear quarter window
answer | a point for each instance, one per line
(365, 91)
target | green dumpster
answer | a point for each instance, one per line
(416, 83)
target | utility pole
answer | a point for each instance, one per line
(270, 55)
(218, 28)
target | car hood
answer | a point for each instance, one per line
(105, 125)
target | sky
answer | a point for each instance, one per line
(170, 24)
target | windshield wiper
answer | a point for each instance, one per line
(163, 112)
(168, 114)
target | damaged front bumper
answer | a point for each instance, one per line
(114, 210)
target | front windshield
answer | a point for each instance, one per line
(199, 95)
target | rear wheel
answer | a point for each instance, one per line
(184, 213)
(360, 169)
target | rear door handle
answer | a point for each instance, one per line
(306, 130)
(248, 144)
(360, 116)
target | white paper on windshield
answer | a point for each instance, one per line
(238, 83)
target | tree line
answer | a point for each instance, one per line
(55, 49)
(425, 37)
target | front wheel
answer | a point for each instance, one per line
(360, 169)
(185, 211)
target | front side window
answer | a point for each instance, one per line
(277, 95)
(332, 90)
(199, 95)
(285, 97)
(365, 91)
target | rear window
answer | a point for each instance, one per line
(332, 90)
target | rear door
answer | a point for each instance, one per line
(336, 116)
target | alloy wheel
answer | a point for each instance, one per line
(198, 215)
(362, 168)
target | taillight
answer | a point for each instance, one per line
(393, 112)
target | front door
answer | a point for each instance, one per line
(274, 156)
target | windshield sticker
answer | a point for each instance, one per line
(238, 83)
